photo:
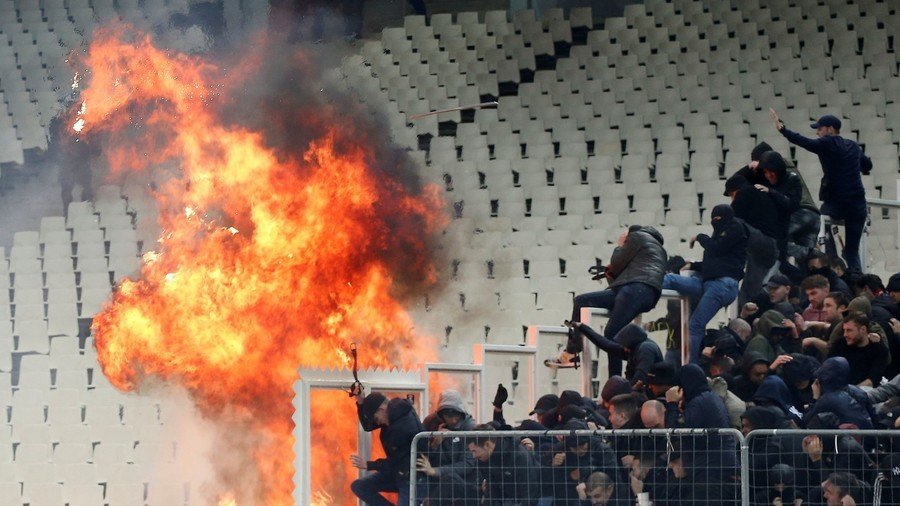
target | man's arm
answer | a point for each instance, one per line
(608, 345)
(718, 245)
(865, 164)
(789, 201)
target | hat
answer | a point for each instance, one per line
(757, 152)
(735, 183)
(544, 404)
(772, 160)
(894, 283)
(661, 373)
(614, 386)
(827, 121)
(726, 346)
(568, 398)
(723, 211)
(778, 280)
(371, 404)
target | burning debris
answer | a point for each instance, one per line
(290, 228)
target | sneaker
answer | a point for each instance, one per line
(564, 361)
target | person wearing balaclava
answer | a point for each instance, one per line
(722, 268)
(709, 460)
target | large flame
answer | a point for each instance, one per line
(271, 257)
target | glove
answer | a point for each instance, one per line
(501, 396)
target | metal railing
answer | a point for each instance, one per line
(661, 466)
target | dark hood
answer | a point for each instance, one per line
(652, 232)
(631, 336)
(860, 305)
(693, 382)
(398, 408)
(771, 160)
(774, 390)
(765, 417)
(834, 374)
(769, 320)
(753, 357)
(757, 152)
(800, 368)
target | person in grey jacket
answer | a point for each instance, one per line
(635, 273)
(447, 464)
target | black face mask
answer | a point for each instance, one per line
(822, 271)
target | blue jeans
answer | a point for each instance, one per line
(707, 298)
(625, 303)
(368, 489)
(854, 216)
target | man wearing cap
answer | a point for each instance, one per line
(545, 410)
(778, 290)
(842, 193)
(398, 424)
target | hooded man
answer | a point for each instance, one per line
(798, 374)
(755, 369)
(755, 209)
(833, 394)
(448, 464)
(774, 392)
(770, 332)
(709, 459)
(398, 424)
(632, 344)
(783, 188)
(571, 460)
(506, 470)
(635, 271)
(724, 255)
(842, 193)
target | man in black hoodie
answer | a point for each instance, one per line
(635, 274)
(447, 463)
(842, 193)
(632, 344)
(754, 208)
(399, 424)
(724, 255)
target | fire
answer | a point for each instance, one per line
(272, 256)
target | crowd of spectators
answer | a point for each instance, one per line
(816, 345)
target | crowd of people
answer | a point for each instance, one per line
(816, 345)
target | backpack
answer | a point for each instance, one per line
(762, 249)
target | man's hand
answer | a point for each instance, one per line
(800, 322)
(874, 337)
(692, 241)
(761, 187)
(753, 165)
(674, 394)
(581, 488)
(358, 462)
(527, 443)
(816, 389)
(895, 325)
(781, 359)
(558, 459)
(622, 236)
(423, 465)
(708, 351)
(812, 445)
(501, 396)
(748, 309)
(359, 392)
(627, 460)
(777, 122)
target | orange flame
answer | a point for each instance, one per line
(270, 258)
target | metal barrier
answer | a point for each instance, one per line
(659, 466)
(820, 466)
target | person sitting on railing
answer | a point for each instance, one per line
(447, 465)
(833, 394)
(507, 471)
(724, 255)
(710, 461)
(630, 343)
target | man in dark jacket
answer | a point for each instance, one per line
(754, 208)
(635, 271)
(572, 460)
(833, 394)
(798, 374)
(724, 255)
(631, 344)
(709, 459)
(507, 471)
(842, 193)
(447, 463)
(399, 424)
